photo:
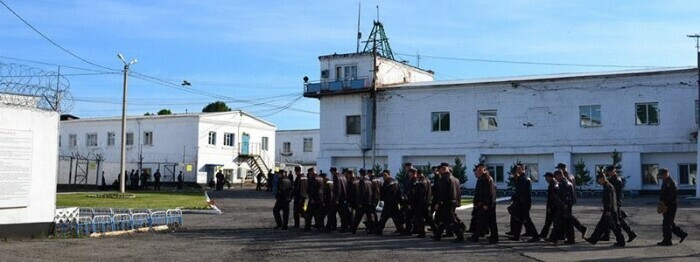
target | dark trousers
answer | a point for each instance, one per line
(548, 220)
(520, 218)
(564, 225)
(331, 216)
(258, 186)
(606, 223)
(449, 221)
(389, 211)
(156, 185)
(486, 219)
(365, 211)
(314, 210)
(669, 226)
(345, 216)
(375, 203)
(298, 209)
(407, 213)
(281, 220)
(421, 217)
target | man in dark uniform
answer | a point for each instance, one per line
(180, 180)
(156, 179)
(144, 179)
(574, 221)
(314, 209)
(377, 182)
(338, 188)
(448, 198)
(340, 196)
(391, 195)
(668, 204)
(616, 182)
(258, 184)
(551, 205)
(346, 210)
(563, 226)
(609, 219)
(422, 193)
(283, 197)
(521, 204)
(485, 203)
(328, 203)
(406, 198)
(300, 193)
(473, 223)
(363, 203)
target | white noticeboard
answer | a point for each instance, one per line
(16, 147)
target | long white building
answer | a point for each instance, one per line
(646, 115)
(297, 147)
(198, 145)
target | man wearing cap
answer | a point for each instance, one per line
(521, 203)
(473, 224)
(282, 196)
(391, 195)
(668, 204)
(343, 194)
(334, 206)
(609, 219)
(616, 182)
(300, 193)
(485, 203)
(551, 205)
(314, 209)
(364, 203)
(448, 198)
(570, 177)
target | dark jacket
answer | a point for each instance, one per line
(364, 192)
(301, 187)
(316, 189)
(609, 199)
(352, 191)
(340, 184)
(565, 192)
(669, 192)
(391, 193)
(616, 182)
(448, 194)
(284, 189)
(485, 193)
(422, 191)
(328, 194)
(376, 188)
(522, 198)
(552, 195)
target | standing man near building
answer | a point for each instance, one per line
(283, 197)
(551, 205)
(134, 180)
(448, 199)
(315, 207)
(520, 206)
(300, 193)
(363, 203)
(258, 180)
(391, 195)
(485, 203)
(668, 204)
(180, 181)
(144, 179)
(219, 181)
(609, 219)
(156, 179)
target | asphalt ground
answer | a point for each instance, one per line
(243, 232)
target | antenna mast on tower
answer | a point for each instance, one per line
(359, 34)
(377, 39)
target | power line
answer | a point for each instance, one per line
(528, 62)
(51, 64)
(51, 41)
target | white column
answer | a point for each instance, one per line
(394, 161)
(471, 158)
(563, 157)
(323, 163)
(632, 170)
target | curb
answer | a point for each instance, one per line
(214, 211)
(472, 205)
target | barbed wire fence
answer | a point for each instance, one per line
(25, 86)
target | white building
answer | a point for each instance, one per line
(27, 163)
(198, 144)
(646, 115)
(297, 147)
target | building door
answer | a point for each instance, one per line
(245, 144)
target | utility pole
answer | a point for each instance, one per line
(57, 97)
(122, 163)
(375, 68)
(697, 105)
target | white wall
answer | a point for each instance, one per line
(37, 203)
(296, 140)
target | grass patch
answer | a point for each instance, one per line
(466, 201)
(153, 199)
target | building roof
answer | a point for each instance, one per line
(298, 130)
(197, 115)
(509, 79)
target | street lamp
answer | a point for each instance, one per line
(122, 164)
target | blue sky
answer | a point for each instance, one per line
(248, 52)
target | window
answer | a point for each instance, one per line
(487, 120)
(350, 73)
(308, 144)
(650, 174)
(72, 140)
(647, 113)
(148, 138)
(229, 139)
(286, 147)
(688, 174)
(497, 173)
(589, 116)
(212, 138)
(129, 139)
(441, 121)
(533, 172)
(91, 140)
(265, 141)
(352, 125)
(110, 138)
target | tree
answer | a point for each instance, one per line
(511, 174)
(163, 112)
(148, 114)
(582, 175)
(428, 172)
(378, 169)
(459, 170)
(218, 106)
(616, 162)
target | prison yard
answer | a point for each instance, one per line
(243, 232)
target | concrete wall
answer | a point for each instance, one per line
(28, 168)
(295, 138)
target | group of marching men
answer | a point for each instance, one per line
(417, 203)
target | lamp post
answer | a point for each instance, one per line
(122, 164)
